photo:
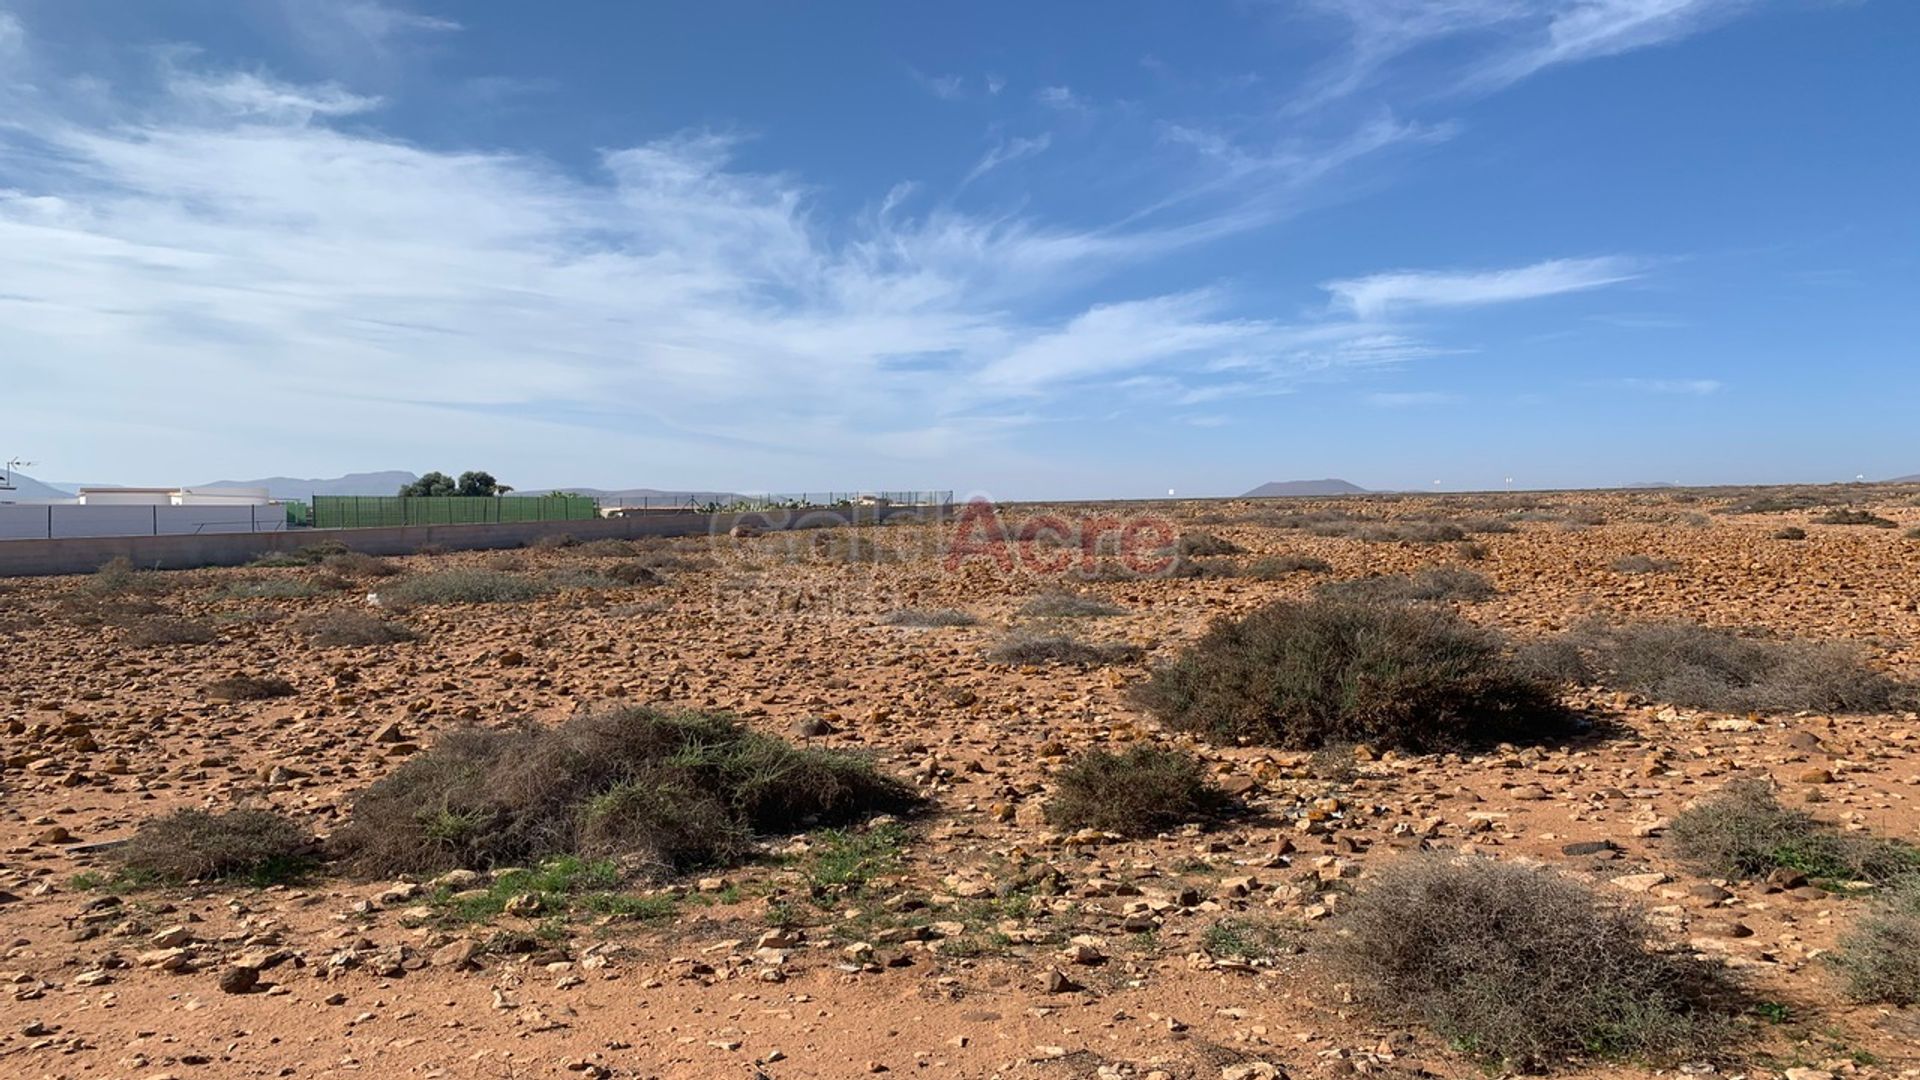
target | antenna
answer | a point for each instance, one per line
(6, 475)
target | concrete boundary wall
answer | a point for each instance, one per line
(83, 555)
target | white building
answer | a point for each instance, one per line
(157, 496)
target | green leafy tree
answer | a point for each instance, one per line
(481, 484)
(433, 483)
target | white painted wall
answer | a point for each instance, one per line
(19, 521)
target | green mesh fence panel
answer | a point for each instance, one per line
(377, 511)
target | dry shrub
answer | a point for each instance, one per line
(189, 845)
(358, 564)
(309, 555)
(464, 587)
(1275, 567)
(1144, 791)
(633, 574)
(350, 628)
(1790, 532)
(249, 688)
(273, 588)
(1743, 831)
(664, 792)
(1392, 532)
(1303, 675)
(1432, 583)
(928, 617)
(608, 548)
(554, 541)
(1855, 517)
(1205, 545)
(1713, 668)
(1524, 967)
(153, 632)
(1032, 650)
(1641, 564)
(1065, 605)
(1880, 955)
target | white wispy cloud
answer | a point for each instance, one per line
(241, 250)
(944, 87)
(1410, 399)
(1499, 42)
(1006, 151)
(249, 94)
(1060, 97)
(1695, 387)
(1379, 294)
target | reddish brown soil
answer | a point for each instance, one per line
(98, 734)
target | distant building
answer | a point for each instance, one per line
(159, 496)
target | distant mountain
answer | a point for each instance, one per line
(1303, 488)
(1652, 484)
(27, 489)
(1914, 479)
(296, 490)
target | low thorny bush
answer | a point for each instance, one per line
(1066, 605)
(1742, 831)
(464, 587)
(1855, 517)
(249, 688)
(163, 631)
(1880, 956)
(1030, 650)
(928, 617)
(1524, 967)
(351, 628)
(1641, 564)
(663, 792)
(1706, 667)
(1431, 583)
(188, 845)
(1302, 675)
(1144, 791)
(1275, 567)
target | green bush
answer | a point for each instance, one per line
(1742, 831)
(1523, 967)
(189, 845)
(1144, 791)
(663, 792)
(1302, 675)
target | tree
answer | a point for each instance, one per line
(481, 484)
(433, 483)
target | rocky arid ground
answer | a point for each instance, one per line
(971, 938)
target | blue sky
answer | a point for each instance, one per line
(1051, 250)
